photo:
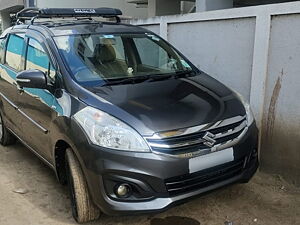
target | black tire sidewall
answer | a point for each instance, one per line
(71, 191)
(7, 137)
(3, 129)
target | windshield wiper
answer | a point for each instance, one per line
(175, 74)
(184, 73)
(127, 80)
(159, 77)
(150, 78)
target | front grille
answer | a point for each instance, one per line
(191, 182)
(189, 140)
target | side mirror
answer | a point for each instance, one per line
(32, 79)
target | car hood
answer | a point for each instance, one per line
(151, 107)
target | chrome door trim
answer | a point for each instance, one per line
(9, 102)
(44, 130)
(33, 121)
(32, 150)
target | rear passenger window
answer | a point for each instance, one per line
(37, 58)
(14, 51)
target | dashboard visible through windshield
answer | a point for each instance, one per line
(99, 57)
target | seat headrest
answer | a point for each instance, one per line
(106, 53)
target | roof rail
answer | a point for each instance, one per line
(34, 13)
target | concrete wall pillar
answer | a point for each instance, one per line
(5, 20)
(163, 7)
(206, 5)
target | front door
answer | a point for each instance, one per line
(38, 105)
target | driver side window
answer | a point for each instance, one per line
(37, 58)
(153, 56)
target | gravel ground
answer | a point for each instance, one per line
(266, 200)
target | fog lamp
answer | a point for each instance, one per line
(123, 190)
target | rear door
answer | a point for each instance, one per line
(12, 48)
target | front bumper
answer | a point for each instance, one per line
(148, 173)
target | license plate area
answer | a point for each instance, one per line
(210, 160)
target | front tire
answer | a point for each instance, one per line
(6, 138)
(83, 209)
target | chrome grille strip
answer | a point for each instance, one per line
(229, 143)
(205, 151)
(191, 130)
(232, 131)
(198, 141)
(226, 134)
(178, 145)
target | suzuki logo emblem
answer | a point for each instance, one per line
(209, 139)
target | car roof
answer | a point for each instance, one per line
(70, 27)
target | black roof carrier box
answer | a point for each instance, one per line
(34, 13)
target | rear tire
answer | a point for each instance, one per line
(83, 208)
(6, 138)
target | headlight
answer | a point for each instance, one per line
(109, 132)
(250, 117)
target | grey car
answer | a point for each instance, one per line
(121, 116)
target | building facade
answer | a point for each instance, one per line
(170, 7)
(8, 7)
(255, 51)
(131, 8)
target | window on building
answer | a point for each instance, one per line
(37, 58)
(14, 51)
(2, 48)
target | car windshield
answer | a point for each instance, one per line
(104, 57)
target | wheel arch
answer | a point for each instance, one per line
(60, 161)
(59, 155)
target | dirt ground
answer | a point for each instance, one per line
(266, 200)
